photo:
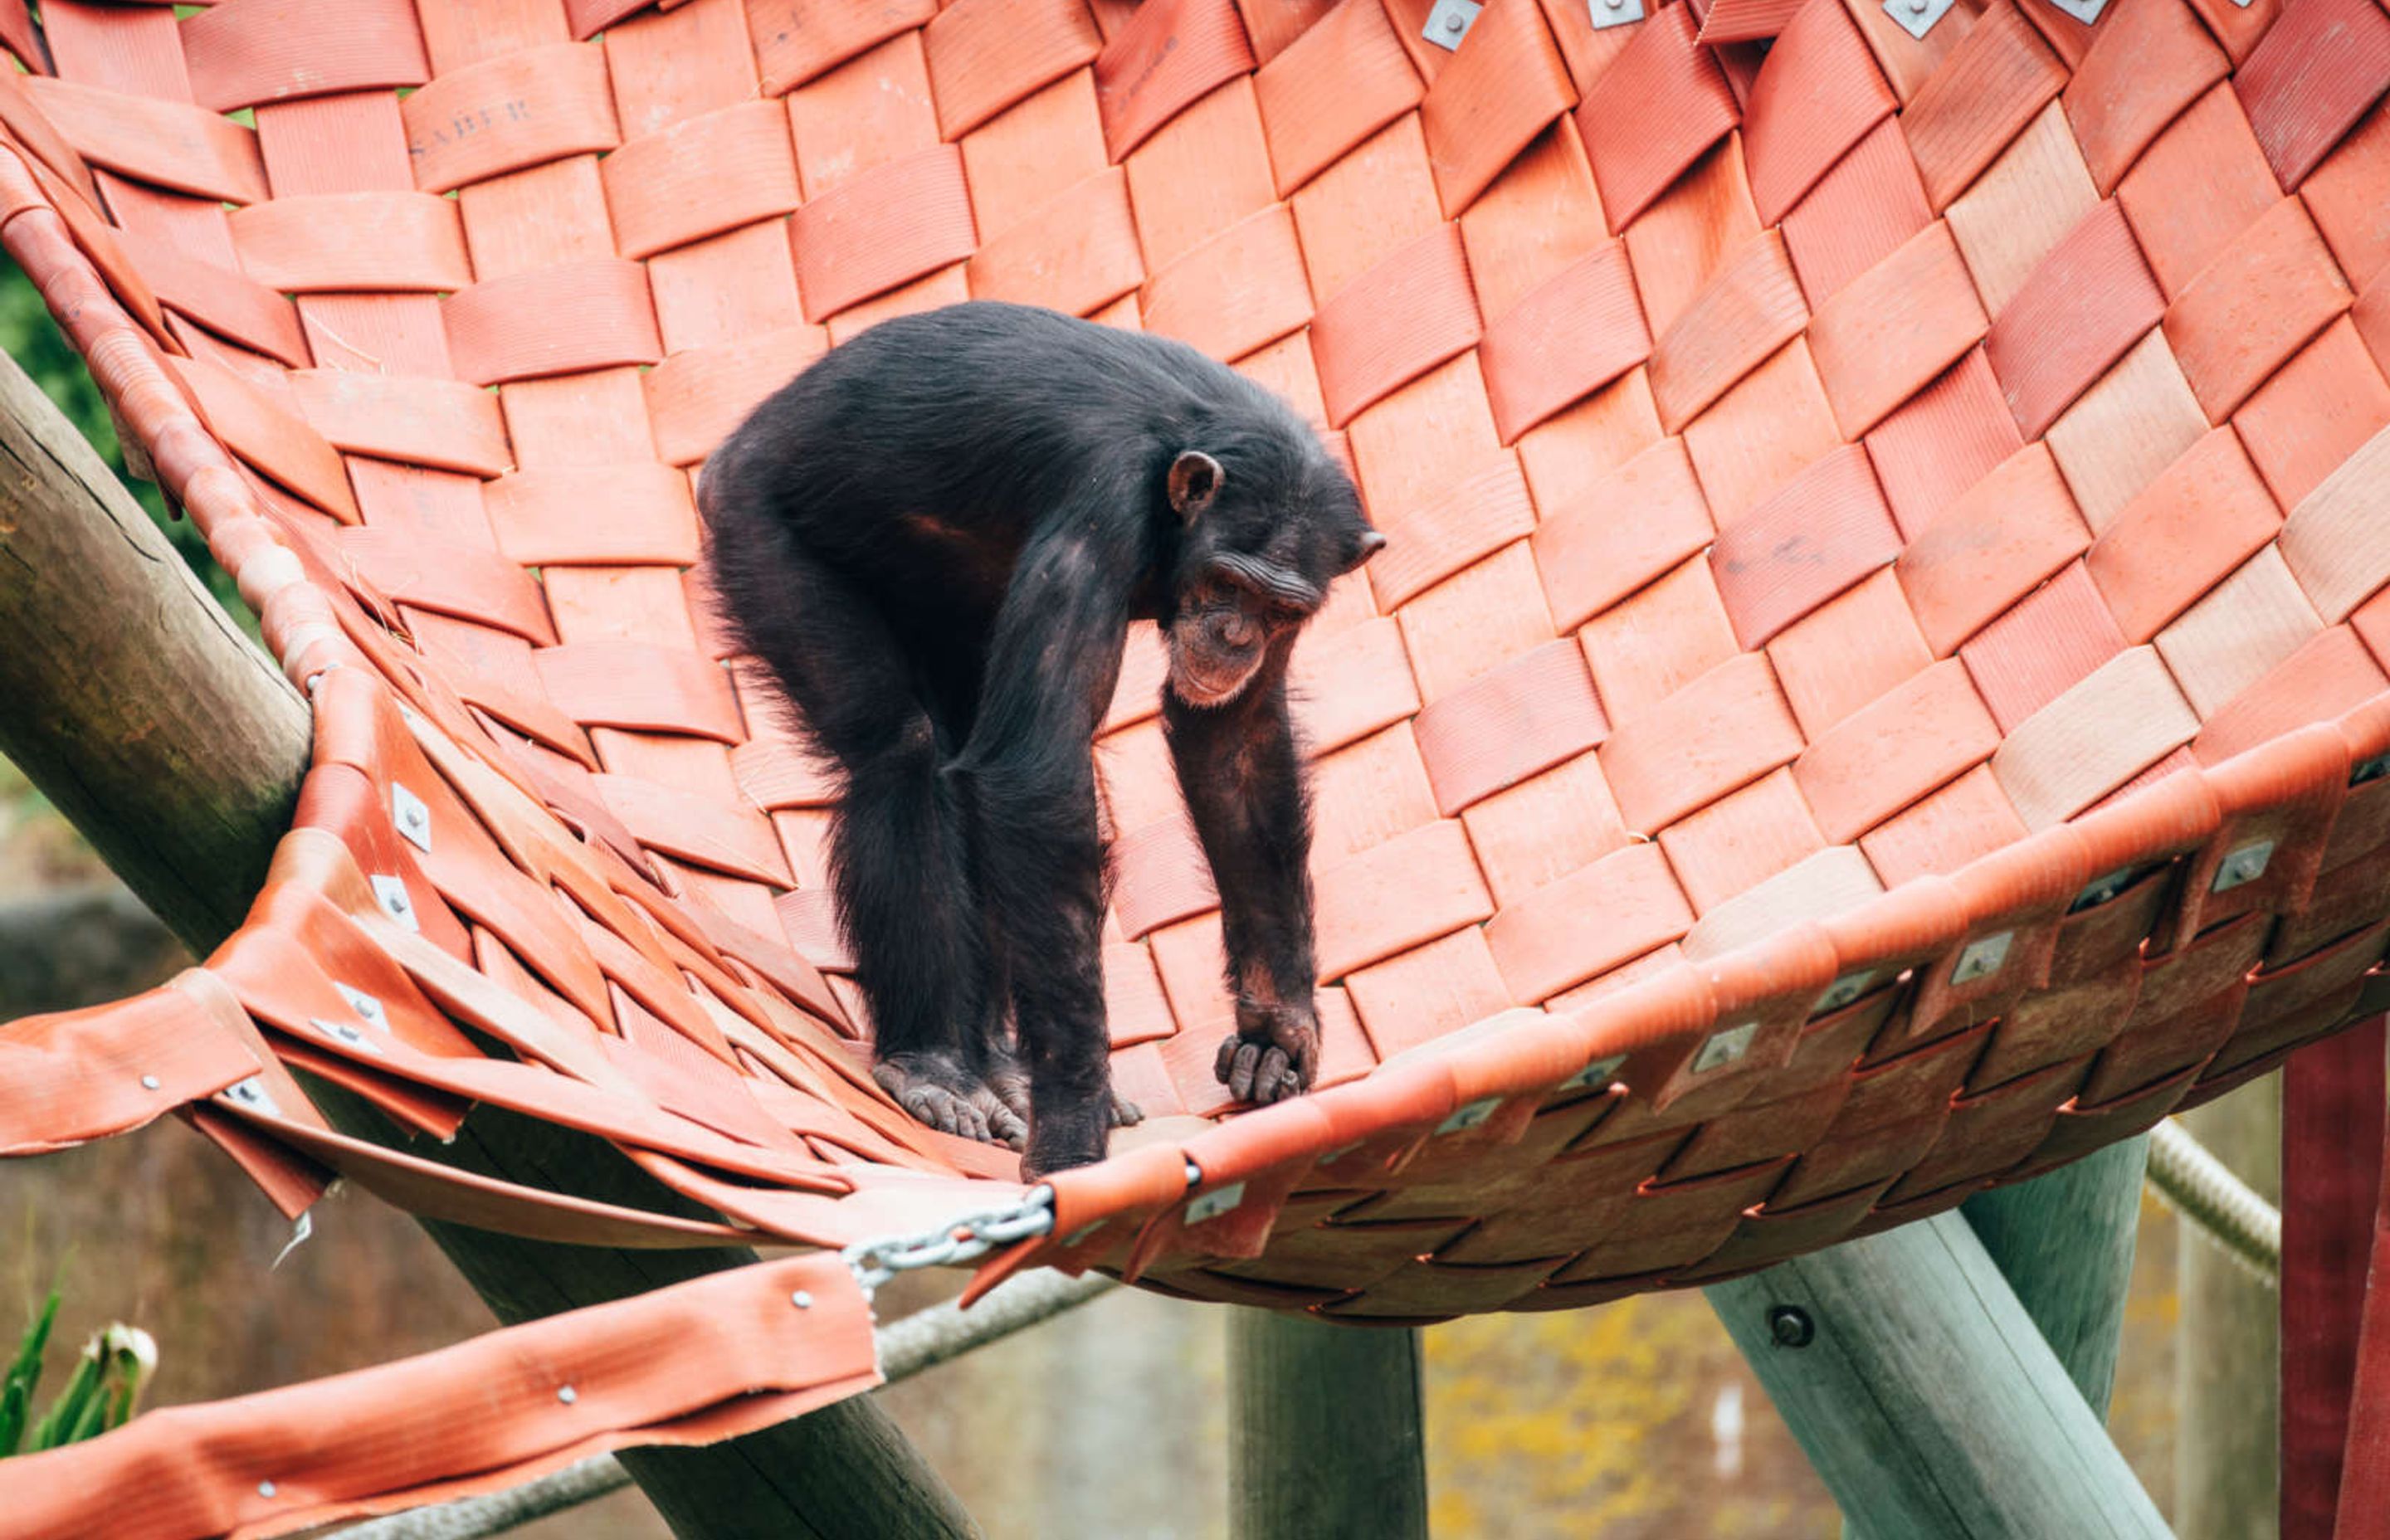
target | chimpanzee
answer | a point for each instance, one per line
(935, 537)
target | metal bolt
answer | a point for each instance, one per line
(567, 1395)
(265, 1489)
(398, 901)
(802, 1299)
(1615, 5)
(150, 1083)
(1454, 25)
(1791, 1326)
(1917, 7)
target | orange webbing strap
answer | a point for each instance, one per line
(693, 1363)
(2332, 1127)
(83, 1074)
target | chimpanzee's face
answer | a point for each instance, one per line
(1256, 567)
(1222, 632)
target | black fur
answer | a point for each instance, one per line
(935, 538)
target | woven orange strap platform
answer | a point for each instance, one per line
(1877, 687)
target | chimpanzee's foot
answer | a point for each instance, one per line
(1059, 1142)
(939, 1091)
(1008, 1078)
(1274, 1055)
(1008, 1081)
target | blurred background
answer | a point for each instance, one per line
(1633, 1421)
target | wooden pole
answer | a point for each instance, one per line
(1324, 1430)
(139, 710)
(2064, 1242)
(1925, 1396)
(2227, 1386)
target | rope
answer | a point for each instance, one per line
(921, 1340)
(2203, 1192)
(2191, 1181)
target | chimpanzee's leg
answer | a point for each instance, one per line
(1028, 774)
(898, 853)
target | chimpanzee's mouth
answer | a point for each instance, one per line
(1205, 688)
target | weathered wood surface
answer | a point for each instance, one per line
(1325, 1432)
(174, 744)
(2064, 1242)
(126, 695)
(1925, 1396)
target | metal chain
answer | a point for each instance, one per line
(953, 1243)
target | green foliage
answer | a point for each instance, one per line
(27, 332)
(100, 1395)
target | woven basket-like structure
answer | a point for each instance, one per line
(1877, 687)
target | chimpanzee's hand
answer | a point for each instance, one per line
(1275, 1053)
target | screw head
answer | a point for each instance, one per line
(150, 1083)
(1454, 24)
(265, 1489)
(1790, 1326)
(802, 1299)
(567, 1395)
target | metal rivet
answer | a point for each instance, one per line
(2100, 889)
(2243, 866)
(802, 1299)
(1721, 1048)
(1842, 991)
(1599, 1073)
(1606, 14)
(391, 893)
(1449, 22)
(567, 1395)
(265, 1489)
(1790, 1326)
(367, 1008)
(150, 1083)
(1916, 18)
(1982, 958)
(1468, 1115)
(413, 818)
(1213, 1204)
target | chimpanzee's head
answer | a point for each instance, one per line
(1268, 523)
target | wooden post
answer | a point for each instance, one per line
(2064, 1242)
(1324, 1430)
(2227, 1386)
(1925, 1396)
(176, 747)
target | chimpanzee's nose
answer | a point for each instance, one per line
(1238, 630)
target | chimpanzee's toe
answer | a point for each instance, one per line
(939, 1093)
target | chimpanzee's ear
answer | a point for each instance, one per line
(1195, 479)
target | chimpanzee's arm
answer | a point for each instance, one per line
(1242, 776)
(1027, 775)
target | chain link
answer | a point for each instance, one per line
(954, 1243)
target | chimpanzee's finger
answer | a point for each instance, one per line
(1225, 1064)
(1306, 1059)
(1269, 1078)
(1241, 1080)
